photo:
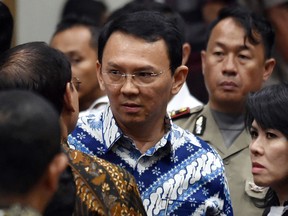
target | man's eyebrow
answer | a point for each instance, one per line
(137, 68)
(112, 64)
(240, 47)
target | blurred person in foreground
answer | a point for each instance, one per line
(140, 68)
(31, 160)
(267, 121)
(237, 61)
(101, 188)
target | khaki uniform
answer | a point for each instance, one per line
(236, 158)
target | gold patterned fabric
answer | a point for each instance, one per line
(103, 188)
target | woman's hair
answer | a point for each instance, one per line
(269, 108)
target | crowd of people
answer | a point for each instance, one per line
(101, 121)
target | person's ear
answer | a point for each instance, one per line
(203, 61)
(55, 168)
(69, 97)
(179, 78)
(268, 68)
(186, 49)
(99, 76)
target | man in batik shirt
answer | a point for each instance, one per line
(140, 69)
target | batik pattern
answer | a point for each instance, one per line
(103, 188)
(180, 175)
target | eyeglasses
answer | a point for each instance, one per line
(76, 82)
(140, 78)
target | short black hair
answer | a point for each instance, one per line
(162, 8)
(36, 66)
(150, 26)
(251, 23)
(268, 107)
(30, 138)
(93, 9)
(73, 20)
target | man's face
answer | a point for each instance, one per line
(232, 67)
(75, 44)
(132, 103)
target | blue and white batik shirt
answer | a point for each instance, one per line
(180, 175)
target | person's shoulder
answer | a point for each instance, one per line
(186, 115)
(91, 172)
(82, 160)
(186, 112)
(185, 118)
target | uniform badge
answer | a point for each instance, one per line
(200, 125)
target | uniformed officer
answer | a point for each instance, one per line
(237, 60)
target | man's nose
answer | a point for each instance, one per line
(229, 66)
(129, 85)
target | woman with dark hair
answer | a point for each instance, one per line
(267, 120)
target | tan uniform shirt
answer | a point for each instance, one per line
(236, 159)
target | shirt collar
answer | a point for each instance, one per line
(99, 101)
(110, 130)
(112, 133)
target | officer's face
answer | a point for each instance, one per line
(269, 156)
(231, 68)
(131, 102)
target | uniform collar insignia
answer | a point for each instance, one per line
(256, 188)
(200, 125)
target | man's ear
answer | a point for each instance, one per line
(99, 76)
(69, 98)
(186, 49)
(55, 168)
(268, 68)
(203, 60)
(179, 78)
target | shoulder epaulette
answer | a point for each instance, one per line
(184, 112)
(179, 113)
